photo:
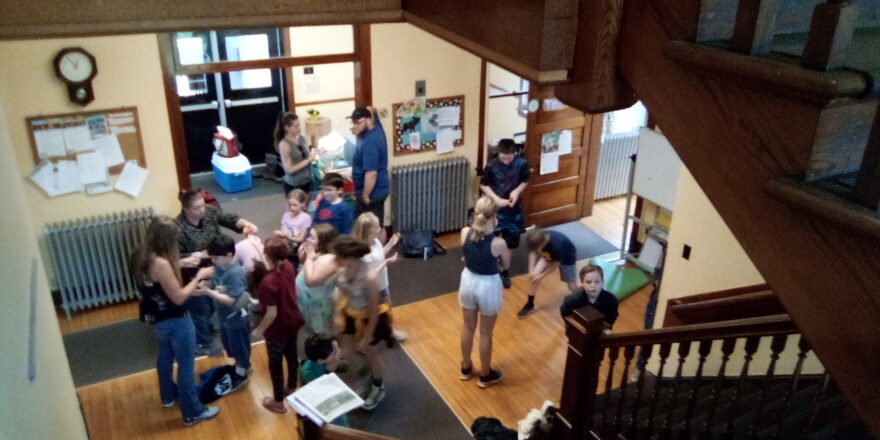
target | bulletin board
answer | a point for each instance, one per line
(426, 118)
(63, 136)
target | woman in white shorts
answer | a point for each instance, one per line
(479, 292)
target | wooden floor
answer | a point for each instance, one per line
(607, 219)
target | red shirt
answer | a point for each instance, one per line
(277, 289)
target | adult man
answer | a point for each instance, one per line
(370, 167)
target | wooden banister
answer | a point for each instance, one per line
(718, 294)
(746, 305)
(753, 31)
(308, 430)
(831, 32)
(867, 190)
(763, 326)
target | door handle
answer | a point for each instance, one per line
(215, 104)
(227, 102)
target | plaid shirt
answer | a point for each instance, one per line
(195, 238)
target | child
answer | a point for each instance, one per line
(592, 293)
(367, 228)
(331, 208)
(504, 179)
(229, 283)
(281, 321)
(316, 281)
(295, 223)
(364, 316)
(322, 355)
(548, 250)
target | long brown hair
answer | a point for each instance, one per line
(484, 210)
(160, 241)
(326, 233)
(284, 120)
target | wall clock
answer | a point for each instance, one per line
(76, 68)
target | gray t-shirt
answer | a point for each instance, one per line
(299, 152)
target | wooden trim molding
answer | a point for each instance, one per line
(481, 139)
(270, 63)
(363, 66)
(175, 117)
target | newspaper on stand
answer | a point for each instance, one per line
(324, 399)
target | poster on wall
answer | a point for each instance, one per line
(428, 124)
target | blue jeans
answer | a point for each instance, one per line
(177, 342)
(236, 336)
(200, 309)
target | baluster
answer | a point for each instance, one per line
(753, 30)
(613, 352)
(665, 349)
(628, 353)
(644, 356)
(776, 346)
(817, 400)
(726, 349)
(867, 189)
(831, 31)
(751, 347)
(804, 348)
(684, 348)
(703, 350)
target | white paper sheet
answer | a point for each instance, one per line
(119, 129)
(45, 178)
(99, 188)
(448, 115)
(429, 120)
(415, 141)
(132, 179)
(565, 142)
(445, 138)
(313, 85)
(50, 143)
(91, 168)
(109, 148)
(549, 163)
(67, 174)
(78, 139)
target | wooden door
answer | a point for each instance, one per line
(567, 194)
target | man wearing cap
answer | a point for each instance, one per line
(370, 167)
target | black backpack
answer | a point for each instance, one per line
(419, 244)
(218, 382)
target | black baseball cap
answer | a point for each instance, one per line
(358, 113)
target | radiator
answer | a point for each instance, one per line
(90, 258)
(614, 163)
(431, 195)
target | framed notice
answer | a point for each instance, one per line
(433, 124)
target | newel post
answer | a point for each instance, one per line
(583, 328)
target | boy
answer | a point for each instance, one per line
(331, 208)
(593, 293)
(229, 283)
(322, 355)
(548, 250)
(504, 179)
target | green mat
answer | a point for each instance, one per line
(619, 280)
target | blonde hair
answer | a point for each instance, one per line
(484, 210)
(363, 225)
(299, 195)
(160, 241)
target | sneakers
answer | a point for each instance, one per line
(506, 282)
(373, 397)
(466, 373)
(525, 311)
(168, 404)
(239, 381)
(399, 335)
(210, 350)
(487, 381)
(209, 413)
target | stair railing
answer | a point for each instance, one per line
(626, 386)
(308, 430)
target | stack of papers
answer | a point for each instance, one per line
(324, 399)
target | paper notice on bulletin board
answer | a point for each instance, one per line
(549, 163)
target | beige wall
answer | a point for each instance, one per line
(403, 54)
(502, 118)
(129, 74)
(46, 408)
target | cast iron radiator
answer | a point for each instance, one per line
(90, 258)
(614, 163)
(430, 195)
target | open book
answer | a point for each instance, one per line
(324, 399)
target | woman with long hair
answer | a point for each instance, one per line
(155, 266)
(296, 157)
(479, 292)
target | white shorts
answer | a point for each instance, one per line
(480, 292)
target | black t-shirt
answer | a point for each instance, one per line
(156, 306)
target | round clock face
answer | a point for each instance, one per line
(75, 66)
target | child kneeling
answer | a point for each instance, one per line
(322, 357)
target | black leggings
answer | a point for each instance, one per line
(276, 351)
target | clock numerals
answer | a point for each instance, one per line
(76, 67)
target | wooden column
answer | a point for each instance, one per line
(831, 32)
(867, 190)
(583, 329)
(753, 31)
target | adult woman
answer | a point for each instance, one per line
(316, 281)
(296, 157)
(479, 292)
(199, 224)
(155, 267)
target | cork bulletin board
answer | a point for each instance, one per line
(418, 123)
(63, 136)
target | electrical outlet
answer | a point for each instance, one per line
(308, 70)
(420, 88)
(686, 252)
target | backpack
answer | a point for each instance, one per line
(217, 382)
(420, 244)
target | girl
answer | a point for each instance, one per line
(296, 157)
(367, 228)
(296, 221)
(364, 316)
(479, 292)
(317, 280)
(280, 323)
(155, 266)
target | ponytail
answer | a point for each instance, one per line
(484, 210)
(284, 119)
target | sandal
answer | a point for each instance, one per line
(270, 404)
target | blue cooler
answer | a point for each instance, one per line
(233, 174)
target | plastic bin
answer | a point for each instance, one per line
(233, 174)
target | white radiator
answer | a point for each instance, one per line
(430, 195)
(612, 178)
(90, 258)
